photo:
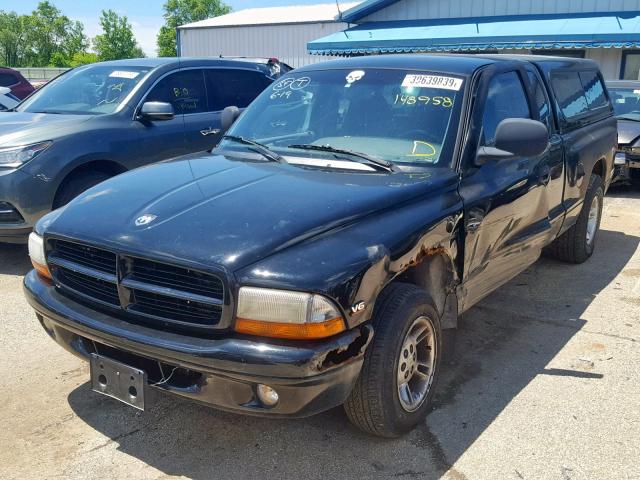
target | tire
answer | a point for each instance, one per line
(576, 245)
(375, 405)
(75, 185)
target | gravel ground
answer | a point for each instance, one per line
(545, 384)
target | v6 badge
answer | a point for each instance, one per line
(358, 307)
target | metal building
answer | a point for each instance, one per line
(281, 32)
(607, 31)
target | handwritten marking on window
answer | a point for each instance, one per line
(409, 100)
(422, 149)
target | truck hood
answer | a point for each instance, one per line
(22, 128)
(217, 211)
(628, 132)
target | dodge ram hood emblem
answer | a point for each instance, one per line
(145, 220)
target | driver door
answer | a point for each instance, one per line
(506, 212)
(164, 139)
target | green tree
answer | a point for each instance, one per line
(12, 39)
(83, 58)
(51, 37)
(117, 40)
(180, 12)
(43, 38)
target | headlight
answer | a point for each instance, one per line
(284, 314)
(36, 252)
(620, 158)
(13, 157)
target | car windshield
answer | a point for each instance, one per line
(398, 116)
(626, 101)
(89, 90)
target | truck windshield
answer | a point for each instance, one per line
(90, 90)
(397, 116)
(626, 102)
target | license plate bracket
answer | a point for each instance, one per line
(118, 380)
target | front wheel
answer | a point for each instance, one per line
(395, 386)
(578, 243)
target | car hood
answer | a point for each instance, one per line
(22, 128)
(217, 211)
(628, 132)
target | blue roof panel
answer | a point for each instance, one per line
(616, 29)
(365, 8)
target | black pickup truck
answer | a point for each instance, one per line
(321, 253)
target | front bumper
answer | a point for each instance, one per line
(627, 171)
(310, 377)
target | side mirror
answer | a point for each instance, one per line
(156, 111)
(516, 137)
(228, 116)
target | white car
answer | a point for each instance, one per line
(7, 100)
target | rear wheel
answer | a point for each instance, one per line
(395, 386)
(75, 185)
(578, 243)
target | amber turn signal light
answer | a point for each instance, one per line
(36, 252)
(291, 331)
(43, 270)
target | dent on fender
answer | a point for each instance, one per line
(429, 262)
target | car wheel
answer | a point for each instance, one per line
(578, 243)
(75, 185)
(395, 386)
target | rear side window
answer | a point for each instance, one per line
(8, 80)
(184, 90)
(570, 94)
(506, 98)
(594, 90)
(228, 87)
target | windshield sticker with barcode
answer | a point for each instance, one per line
(124, 74)
(432, 81)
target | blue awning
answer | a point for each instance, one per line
(597, 30)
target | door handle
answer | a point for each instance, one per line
(210, 131)
(473, 225)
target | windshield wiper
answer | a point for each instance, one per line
(263, 150)
(369, 160)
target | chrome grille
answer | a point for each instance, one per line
(156, 293)
(89, 286)
(83, 255)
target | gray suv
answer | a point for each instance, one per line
(100, 120)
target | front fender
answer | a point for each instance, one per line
(354, 263)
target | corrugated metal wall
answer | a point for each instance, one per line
(413, 9)
(609, 59)
(288, 42)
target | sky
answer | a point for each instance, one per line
(144, 15)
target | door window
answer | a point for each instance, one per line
(185, 90)
(506, 98)
(541, 100)
(228, 87)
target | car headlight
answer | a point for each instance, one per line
(36, 252)
(13, 157)
(620, 158)
(285, 314)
